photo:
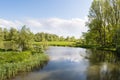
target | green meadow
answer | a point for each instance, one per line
(56, 43)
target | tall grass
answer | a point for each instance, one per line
(12, 63)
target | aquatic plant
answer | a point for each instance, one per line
(14, 63)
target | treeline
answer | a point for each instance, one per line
(14, 39)
(22, 39)
(38, 37)
(103, 24)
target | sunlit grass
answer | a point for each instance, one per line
(12, 63)
(56, 43)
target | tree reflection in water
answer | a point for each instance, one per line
(103, 65)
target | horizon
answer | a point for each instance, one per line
(63, 18)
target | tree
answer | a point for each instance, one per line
(6, 34)
(1, 34)
(104, 22)
(1, 38)
(67, 38)
(62, 38)
(25, 38)
(13, 34)
(13, 38)
(45, 37)
(72, 39)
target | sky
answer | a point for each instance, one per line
(61, 17)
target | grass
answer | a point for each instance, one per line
(56, 43)
(96, 47)
(74, 44)
(11, 63)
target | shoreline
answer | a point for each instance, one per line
(10, 70)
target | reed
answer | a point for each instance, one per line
(20, 62)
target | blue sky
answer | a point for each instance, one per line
(36, 14)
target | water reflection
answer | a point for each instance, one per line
(97, 56)
(77, 64)
(66, 54)
(104, 65)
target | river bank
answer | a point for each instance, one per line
(12, 63)
(55, 43)
(97, 47)
(74, 44)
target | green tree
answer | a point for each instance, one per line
(6, 34)
(13, 38)
(72, 39)
(104, 23)
(62, 38)
(1, 37)
(13, 34)
(45, 37)
(25, 38)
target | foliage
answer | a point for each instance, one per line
(16, 40)
(25, 38)
(1, 38)
(39, 37)
(12, 63)
(103, 24)
(46, 37)
(21, 40)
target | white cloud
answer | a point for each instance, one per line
(62, 27)
(33, 23)
(7, 23)
(67, 55)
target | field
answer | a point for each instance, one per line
(56, 43)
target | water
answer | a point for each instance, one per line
(68, 63)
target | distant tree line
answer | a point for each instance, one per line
(22, 39)
(103, 24)
(16, 39)
(38, 37)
